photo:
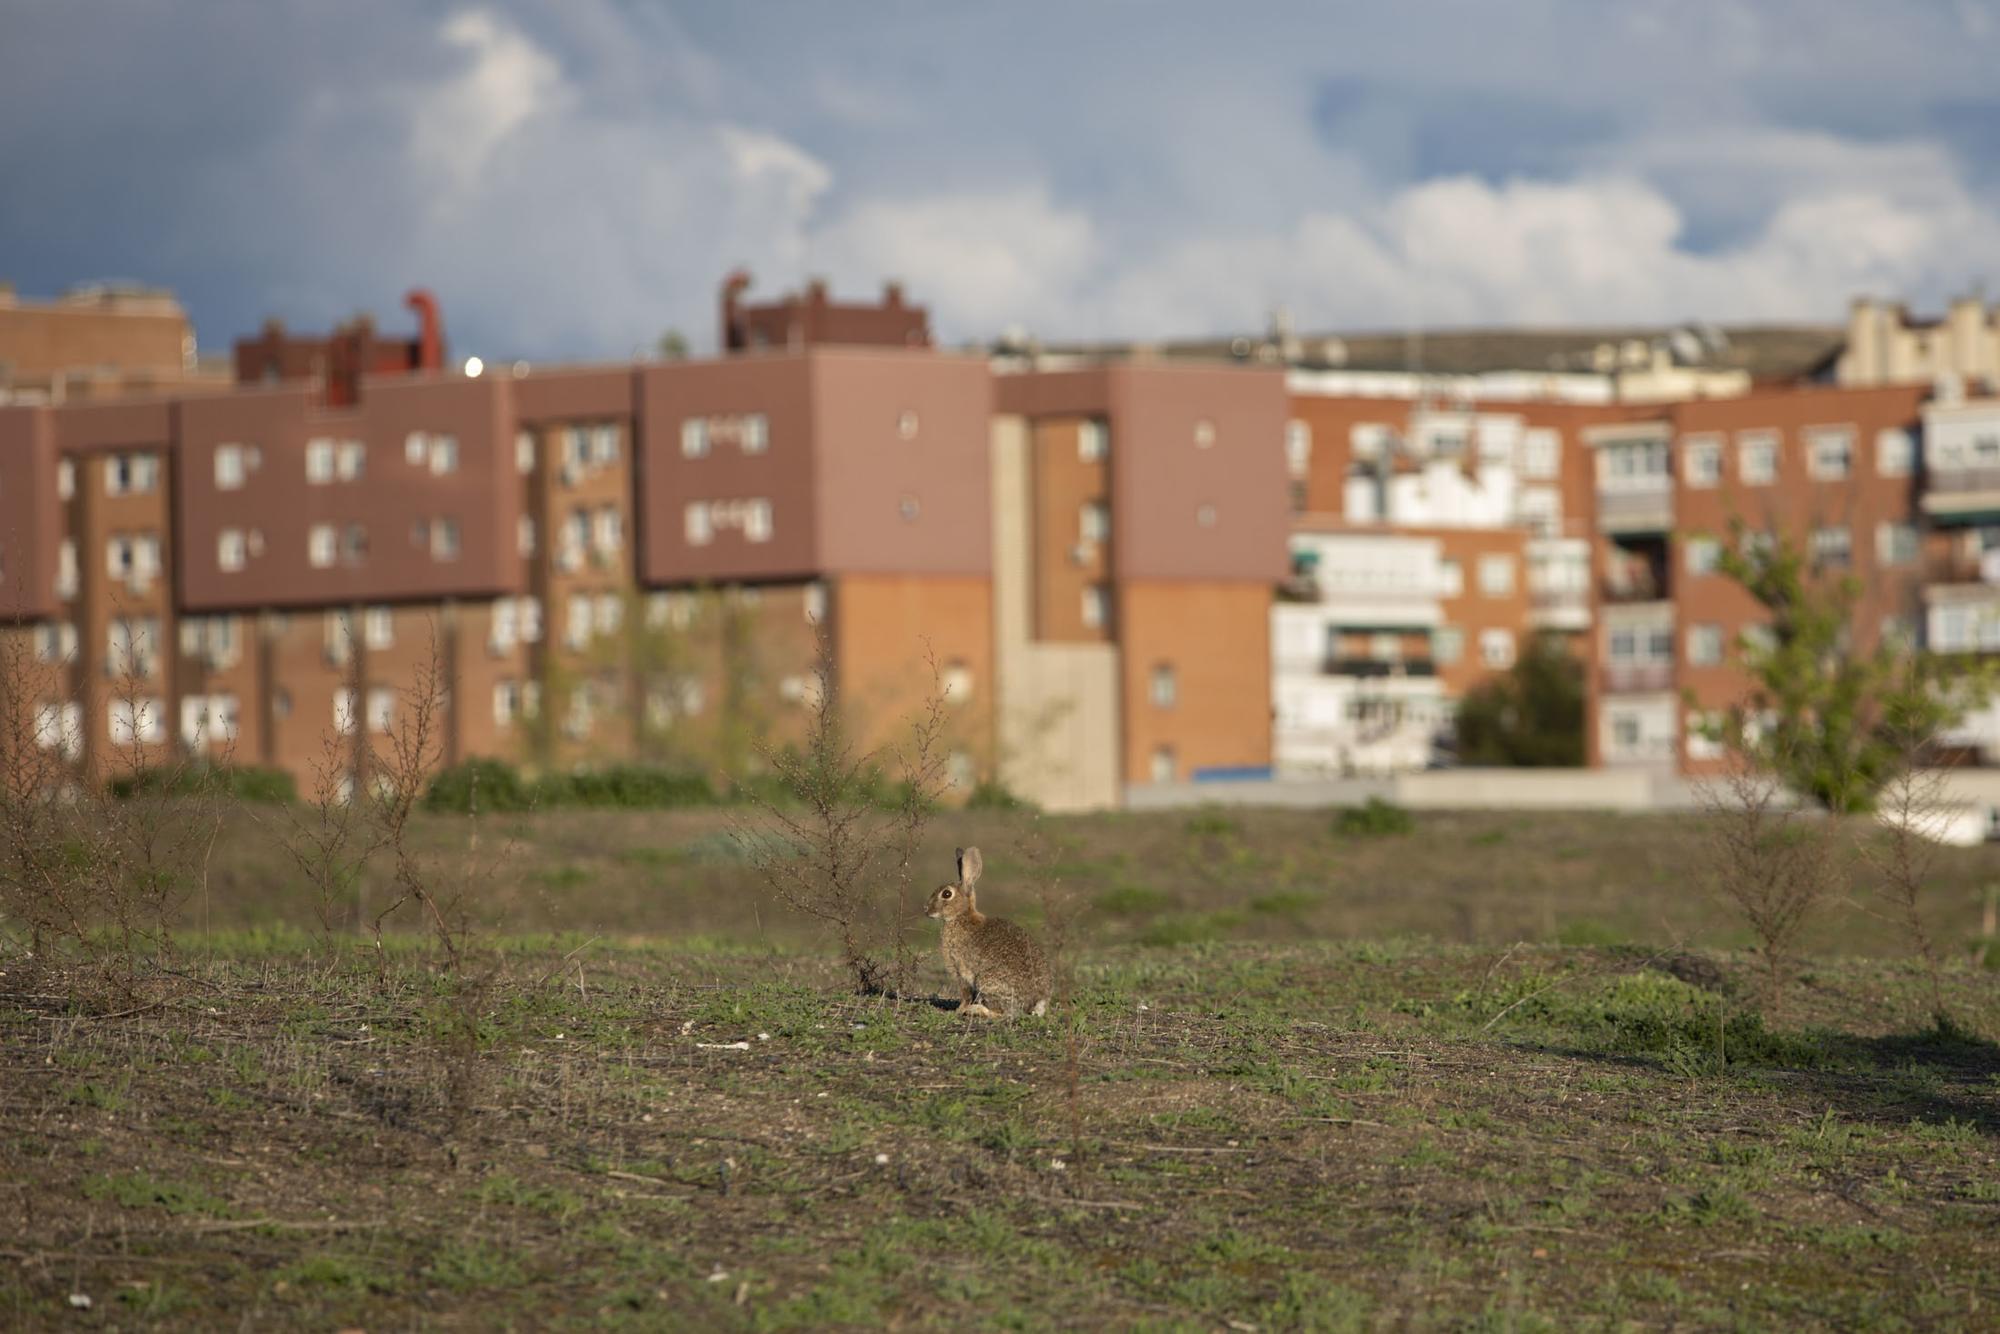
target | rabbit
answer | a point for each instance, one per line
(1000, 970)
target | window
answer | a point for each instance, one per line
(118, 560)
(1629, 644)
(228, 467)
(1541, 453)
(1831, 548)
(1541, 510)
(1632, 464)
(65, 480)
(343, 712)
(608, 529)
(319, 462)
(1702, 455)
(1756, 640)
(698, 529)
(506, 702)
(694, 438)
(1496, 576)
(906, 425)
(576, 723)
(55, 642)
(132, 648)
(378, 627)
(1092, 442)
(209, 638)
(131, 474)
(207, 718)
(815, 603)
(231, 551)
(1447, 644)
(1298, 447)
(66, 569)
(145, 558)
(604, 444)
(1702, 555)
(1165, 686)
(576, 624)
(1204, 433)
(444, 539)
(1896, 544)
(416, 448)
(1094, 606)
(1625, 732)
(322, 545)
(1757, 458)
(1165, 769)
(524, 452)
(1895, 453)
(757, 521)
(381, 709)
(339, 637)
(1205, 516)
(354, 544)
(610, 613)
(1451, 578)
(136, 720)
(1704, 645)
(1830, 453)
(1093, 521)
(351, 461)
(957, 683)
(524, 535)
(443, 455)
(909, 507)
(1496, 647)
(60, 726)
(503, 629)
(1385, 646)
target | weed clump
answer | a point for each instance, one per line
(1374, 819)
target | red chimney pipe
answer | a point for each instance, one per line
(430, 329)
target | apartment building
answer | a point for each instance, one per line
(1887, 345)
(1476, 520)
(97, 342)
(814, 319)
(1139, 531)
(1834, 471)
(643, 560)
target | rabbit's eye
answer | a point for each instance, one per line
(946, 894)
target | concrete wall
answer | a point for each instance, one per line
(1444, 789)
(1056, 707)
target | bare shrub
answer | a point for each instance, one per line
(1772, 862)
(102, 878)
(1914, 815)
(843, 848)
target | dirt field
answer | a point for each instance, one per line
(688, 1123)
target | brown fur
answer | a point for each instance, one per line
(1000, 970)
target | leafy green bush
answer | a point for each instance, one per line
(241, 782)
(990, 794)
(495, 784)
(1376, 819)
(498, 786)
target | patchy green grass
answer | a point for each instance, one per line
(1318, 1136)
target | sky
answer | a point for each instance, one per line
(574, 179)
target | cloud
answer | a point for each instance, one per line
(574, 180)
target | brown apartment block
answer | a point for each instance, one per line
(97, 342)
(1141, 514)
(1832, 471)
(642, 561)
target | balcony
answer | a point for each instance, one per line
(1646, 509)
(1559, 608)
(1638, 678)
(1334, 665)
(1962, 495)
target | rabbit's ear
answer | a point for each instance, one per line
(968, 866)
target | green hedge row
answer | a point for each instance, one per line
(241, 782)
